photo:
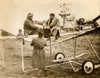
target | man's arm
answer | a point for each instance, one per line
(47, 22)
(58, 23)
(38, 22)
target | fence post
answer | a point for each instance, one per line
(2, 54)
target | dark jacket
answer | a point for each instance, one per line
(29, 25)
(55, 22)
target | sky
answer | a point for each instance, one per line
(14, 12)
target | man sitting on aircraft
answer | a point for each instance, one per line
(29, 27)
(52, 26)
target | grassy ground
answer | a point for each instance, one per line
(12, 54)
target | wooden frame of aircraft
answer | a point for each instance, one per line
(87, 66)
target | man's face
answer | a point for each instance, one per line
(20, 32)
(31, 17)
(51, 17)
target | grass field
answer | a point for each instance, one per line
(12, 55)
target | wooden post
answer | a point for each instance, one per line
(22, 55)
(50, 48)
(74, 42)
(2, 54)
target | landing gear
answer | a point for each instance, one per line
(88, 67)
(60, 56)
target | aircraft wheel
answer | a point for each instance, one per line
(59, 56)
(88, 66)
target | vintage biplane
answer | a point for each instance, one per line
(61, 57)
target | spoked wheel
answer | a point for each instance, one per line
(88, 67)
(59, 56)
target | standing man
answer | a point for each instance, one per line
(53, 25)
(29, 27)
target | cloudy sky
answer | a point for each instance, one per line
(14, 12)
